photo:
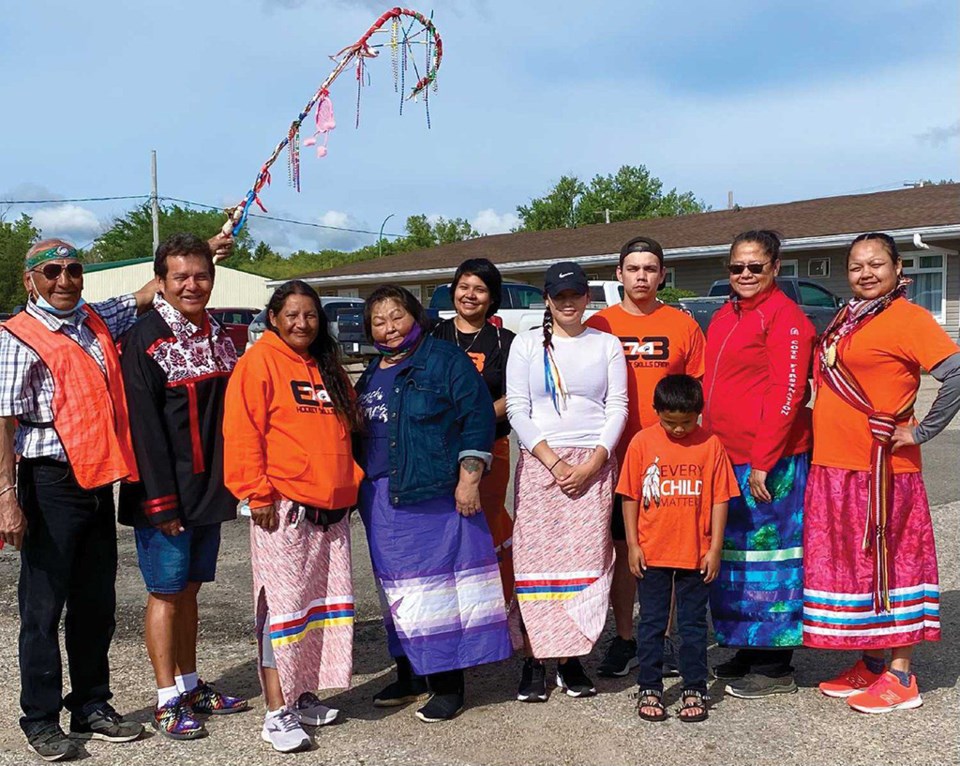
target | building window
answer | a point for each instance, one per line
(929, 275)
(671, 279)
(818, 267)
(348, 292)
(415, 289)
(789, 268)
(429, 292)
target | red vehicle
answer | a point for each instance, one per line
(235, 322)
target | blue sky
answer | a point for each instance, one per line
(775, 100)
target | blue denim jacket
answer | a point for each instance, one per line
(439, 413)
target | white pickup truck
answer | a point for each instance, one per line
(522, 305)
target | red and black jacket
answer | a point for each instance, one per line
(176, 376)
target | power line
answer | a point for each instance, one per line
(194, 204)
(73, 199)
(281, 220)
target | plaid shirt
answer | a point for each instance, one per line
(26, 385)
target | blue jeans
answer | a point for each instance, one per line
(692, 595)
(169, 562)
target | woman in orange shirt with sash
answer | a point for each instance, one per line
(870, 563)
(289, 414)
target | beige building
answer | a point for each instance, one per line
(924, 221)
(231, 288)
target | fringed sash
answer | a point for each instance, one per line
(832, 371)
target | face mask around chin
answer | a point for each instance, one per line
(44, 304)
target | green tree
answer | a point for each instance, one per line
(629, 194)
(556, 210)
(422, 234)
(15, 239)
(132, 235)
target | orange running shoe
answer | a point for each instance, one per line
(887, 694)
(850, 681)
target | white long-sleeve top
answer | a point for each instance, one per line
(595, 371)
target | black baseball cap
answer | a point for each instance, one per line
(566, 275)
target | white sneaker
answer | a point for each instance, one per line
(312, 713)
(282, 730)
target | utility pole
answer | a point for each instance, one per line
(380, 236)
(154, 200)
(729, 200)
(606, 215)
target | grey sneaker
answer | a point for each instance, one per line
(312, 712)
(51, 744)
(754, 686)
(282, 730)
(104, 723)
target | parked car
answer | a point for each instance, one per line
(354, 344)
(331, 305)
(818, 303)
(516, 298)
(522, 305)
(235, 322)
(603, 293)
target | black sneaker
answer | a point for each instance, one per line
(533, 682)
(620, 659)
(406, 689)
(572, 679)
(51, 744)
(731, 670)
(754, 686)
(441, 707)
(106, 724)
(671, 658)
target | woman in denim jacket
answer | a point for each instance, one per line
(429, 433)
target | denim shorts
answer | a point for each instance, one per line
(169, 562)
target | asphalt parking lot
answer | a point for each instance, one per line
(495, 729)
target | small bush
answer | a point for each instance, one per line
(674, 294)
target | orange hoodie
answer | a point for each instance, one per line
(282, 436)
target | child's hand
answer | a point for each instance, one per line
(710, 566)
(637, 562)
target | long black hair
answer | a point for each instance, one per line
(324, 351)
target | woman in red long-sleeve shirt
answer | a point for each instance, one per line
(759, 348)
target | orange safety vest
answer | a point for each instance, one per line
(89, 408)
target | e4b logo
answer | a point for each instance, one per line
(652, 348)
(310, 397)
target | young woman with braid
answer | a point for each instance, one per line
(567, 401)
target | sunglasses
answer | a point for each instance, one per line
(52, 271)
(753, 268)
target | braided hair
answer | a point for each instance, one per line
(547, 328)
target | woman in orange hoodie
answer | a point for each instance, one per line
(288, 418)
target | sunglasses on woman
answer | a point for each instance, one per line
(753, 268)
(52, 271)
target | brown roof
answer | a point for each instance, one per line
(883, 211)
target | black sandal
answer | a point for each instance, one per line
(691, 699)
(643, 701)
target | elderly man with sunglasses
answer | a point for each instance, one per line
(63, 411)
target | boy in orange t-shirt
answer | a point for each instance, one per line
(675, 481)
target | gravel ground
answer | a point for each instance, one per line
(495, 729)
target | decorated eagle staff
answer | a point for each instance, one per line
(406, 29)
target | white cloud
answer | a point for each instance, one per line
(336, 218)
(287, 238)
(489, 221)
(68, 221)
